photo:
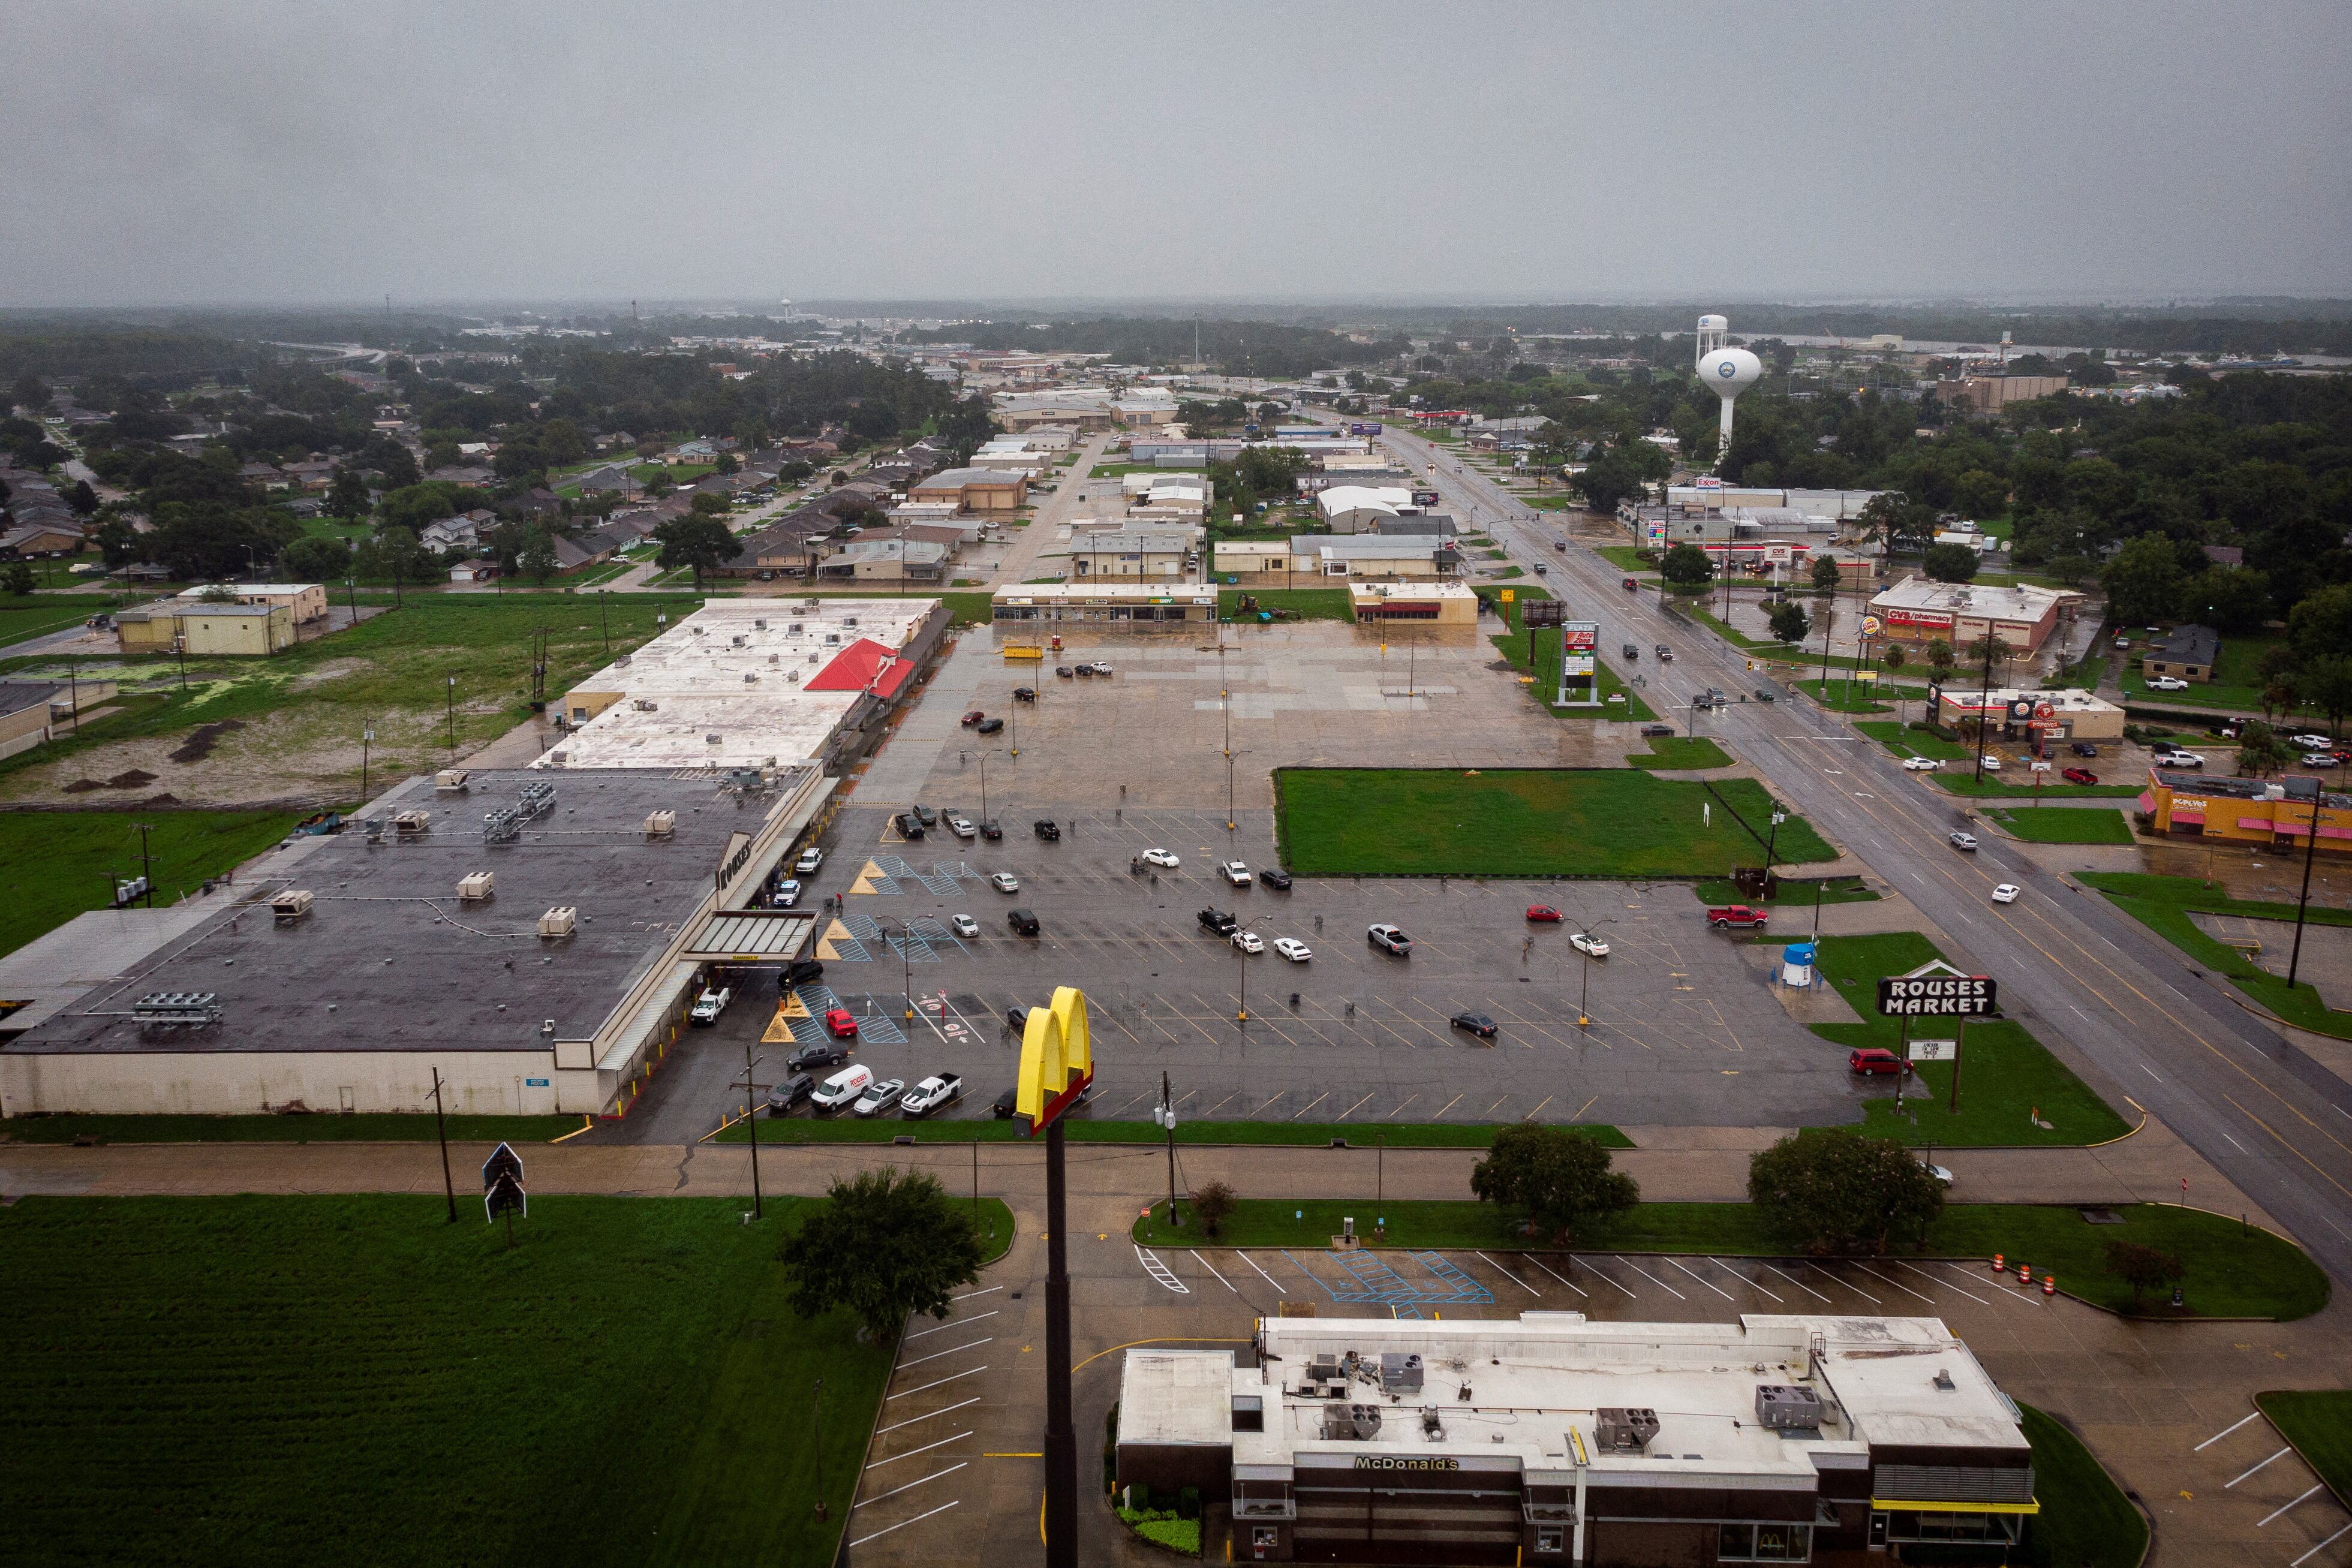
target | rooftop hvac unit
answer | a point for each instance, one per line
(375, 826)
(849, 620)
(660, 824)
(502, 826)
(1400, 1373)
(197, 1007)
(561, 921)
(813, 658)
(775, 658)
(1619, 1430)
(751, 678)
(794, 676)
(645, 705)
(737, 643)
(292, 905)
(796, 626)
(760, 625)
(412, 822)
(450, 780)
(1784, 1407)
(711, 738)
(832, 638)
(473, 889)
(558, 758)
(1351, 1423)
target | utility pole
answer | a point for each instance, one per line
(441, 1130)
(816, 1394)
(367, 739)
(2303, 903)
(450, 701)
(1061, 1438)
(1984, 701)
(752, 1114)
(146, 865)
(1167, 1118)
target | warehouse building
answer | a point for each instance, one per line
(1552, 1439)
(191, 626)
(533, 940)
(2276, 814)
(1921, 609)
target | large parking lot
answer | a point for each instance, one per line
(1686, 1028)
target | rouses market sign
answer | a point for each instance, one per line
(1937, 996)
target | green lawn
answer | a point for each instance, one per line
(54, 865)
(2163, 904)
(626, 1385)
(1626, 559)
(1839, 694)
(2013, 783)
(1301, 1135)
(2319, 1423)
(2006, 1075)
(1795, 897)
(387, 1127)
(2086, 1520)
(1526, 822)
(2234, 687)
(1538, 655)
(1904, 741)
(2063, 825)
(45, 613)
(1680, 753)
(2229, 1271)
(1310, 603)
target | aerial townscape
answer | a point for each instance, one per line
(736, 814)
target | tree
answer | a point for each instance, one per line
(30, 393)
(706, 504)
(537, 558)
(2143, 582)
(1949, 563)
(2144, 1268)
(1825, 573)
(2229, 598)
(886, 1244)
(2260, 750)
(728, 464)
(1559, 1179)
(20, 579)
(1687, 566)
(1979, 494)
(1834, 1190)
(347, 495)
(1894, 657)
(1789, 621)
(701, 543)
(2326, 684)
(1939, 659)
(1608, 478)
(317, 558)
(81, 498)
(1214, 1204)
(2322, 623)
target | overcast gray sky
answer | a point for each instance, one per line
(257, 152)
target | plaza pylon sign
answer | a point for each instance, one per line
(1057, 1062)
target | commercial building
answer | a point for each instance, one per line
(533, 940)
(1358, 508)
(25, 713)
(1138, 605)
(1921, 609)
(2275, 814)
(1161, 551)
(752, 683)
(1983, 396)
(2072, 713)
(1439, 603)
(974, 489)
(192, 626)
(897, 559)
(1373, 556)
(2185, 653)
(1552, 1439)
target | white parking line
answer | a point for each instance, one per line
(958, 1351)
(1653, 1279)
(1692, 1273)
(1212, 1268)
(910, 1486)
(2284, 1507)
(1507, 1274)
(957, 1325)
(1262, 1274)
(2316, 1551)
(1931, 1279)
(913, 1420)
(970, 1294)
(969, 1372)
(1754, 1285)
(901, 1524)
(1896, 1283)
(2225, 1432)
(1538, 1262)
(2241, 1474)
(2012, 1295)
(1799, 1284)
(926, 1448)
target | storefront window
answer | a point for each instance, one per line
(1765, 1543)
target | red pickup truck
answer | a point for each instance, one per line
(1723, 919)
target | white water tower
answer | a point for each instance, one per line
(1728, 372)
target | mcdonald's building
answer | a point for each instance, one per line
(1552, 1439)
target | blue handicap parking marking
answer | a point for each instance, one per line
(1371, 1281)
(1466, 1288)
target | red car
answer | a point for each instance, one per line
(1630, 585)
(1544, 912)
(2079, 776)
(840, 1024)
(1871, 1062)
(973, 718)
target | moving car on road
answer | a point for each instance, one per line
(1655, 731)
(1963, 840)
(2005, 893)
(1919, 765)
(1292, 948)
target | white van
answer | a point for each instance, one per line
(841, 1089)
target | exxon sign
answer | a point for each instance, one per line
(1938, 996)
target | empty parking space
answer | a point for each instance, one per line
(921, 1465)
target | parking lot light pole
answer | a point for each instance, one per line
(1242, 1016)
(1230, 755)
(1771, 839)
(984, 756)
(906, 963)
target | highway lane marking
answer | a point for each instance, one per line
(2225, 1432)
(1507, 1274)
(910, 1486)
(2298, 1154)
(2241, 1474)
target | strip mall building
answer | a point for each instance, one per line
(2271, 813)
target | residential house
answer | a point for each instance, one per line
(462, 474)
(2184, 654)
(312, 473)
(611, 477)
(538, 501)
(28, 541)
(262, 473)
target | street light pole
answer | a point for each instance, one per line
(451, 702)
(367, 739)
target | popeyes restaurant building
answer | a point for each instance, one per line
(2275, 814)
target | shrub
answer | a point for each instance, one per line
(1214, 1204)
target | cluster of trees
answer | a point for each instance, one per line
(1268, 473)
(1236, 348)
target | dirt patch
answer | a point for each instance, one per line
(83, 786)
(318, 675)
(201, 740)
(135, 779)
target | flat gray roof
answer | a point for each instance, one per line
(388, 960)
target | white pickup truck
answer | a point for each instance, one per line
(708, 1006)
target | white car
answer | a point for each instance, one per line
(2167, 684)
(963, 925)
(2319, 759)
(1292, 948)
(1248, 942)
(1235, 872)
(1005, 882)
(788, 893)
(1991, 762)
(960, 826)
(2313, 742)
(1586, 943)
(2180, 760)
(708, 1006)
(1918, 765)
(1160, 858)
(1964, 841)
(2005, 893)
(810, 859)
(1942, 1173)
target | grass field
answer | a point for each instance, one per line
(1906, 742)
(1526, 822)
(1300, 1134)
(257, 1129)
(2006, 1076)
(626, 1385)
(2086, 1520)
(1538, 656)
(2227, 1272)
(2064, 825)
(1679, 753)
(1839, 694)
(1626, 559)
(2319, 1423)
(2013, 783)
(1795, 897)
(46, 613)
(2163, 904)
(54, 865)
(1310, 604)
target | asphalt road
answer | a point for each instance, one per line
(2088, 977)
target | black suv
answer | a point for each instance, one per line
(798, 972)
(1219, 921)
(908, 828)
(824, 1053)
(1274, 877)
(1046, 828)
(1023, 923)
(791, 1092)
